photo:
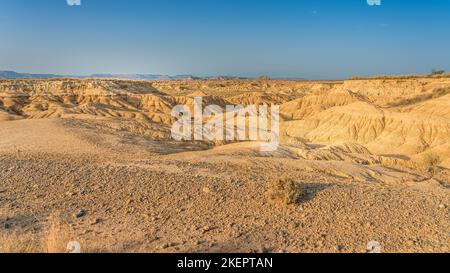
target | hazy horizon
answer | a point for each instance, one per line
(281, 39)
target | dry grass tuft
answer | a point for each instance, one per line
(12, 242)
(284, 191)
(58, 235)
(431, 163)
(55, 240)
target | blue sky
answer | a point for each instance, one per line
(316, 39)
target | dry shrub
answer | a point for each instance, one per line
(58, 236)
(437, 72)
(284, 191)
(55, 240)
(431, 162)
(11, 242)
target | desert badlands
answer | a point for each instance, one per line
(93, 161)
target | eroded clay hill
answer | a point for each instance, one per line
(372, 156)
(399, 118)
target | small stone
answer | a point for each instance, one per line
(71, 194)
(206, 190)
(7, 226)
(293, 225)
(96, 221)
(165, 246)
(442, 206)
(207, 229)
(237, 235)
(87, 231)
(152, 239)
(339, 248)
(80, 213)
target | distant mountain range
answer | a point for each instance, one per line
(149, 77)
(16, 75)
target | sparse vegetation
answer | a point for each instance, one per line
(431, 163)
(439, 92)
(439, 75)
(284, 191)
(437, 72)
(55, 240)
(12, 242)
(58, 235)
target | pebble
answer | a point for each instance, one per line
(339, 248)
(293, 225)
(165, 246)
(207, 229)
(237, 235)
(80, 213)
(71, 194)
(96, 221)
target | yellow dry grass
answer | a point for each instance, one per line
(54, 240)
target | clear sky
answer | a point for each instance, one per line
(314, 39)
